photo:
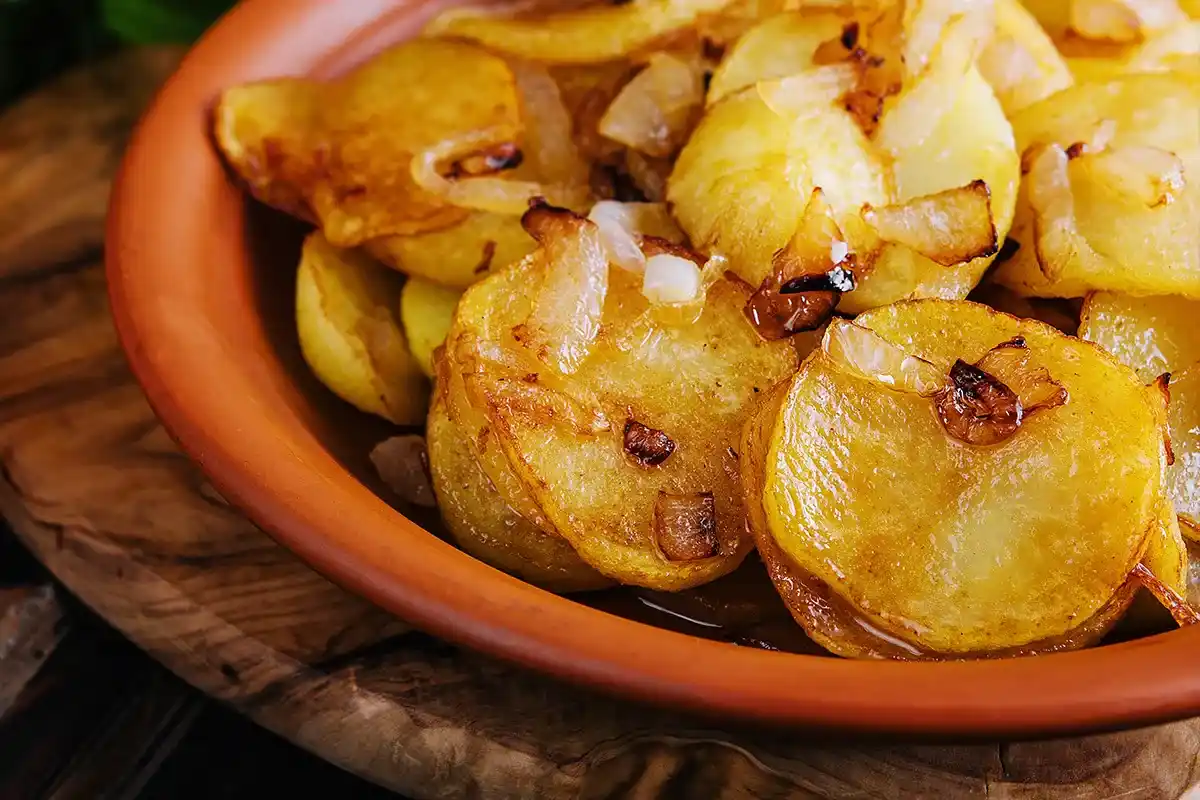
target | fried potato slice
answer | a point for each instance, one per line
(941, 549)
(742, 196)
(630, 456)
(587, 35)
(485, 526)
(460, 255)
(346, 307)
(1021, 62)
(1111, 198)
(339, 152)
(777, 47)
(426, 311)
(1183, 420)
(1151, 335)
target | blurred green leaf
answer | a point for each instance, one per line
(152, 21)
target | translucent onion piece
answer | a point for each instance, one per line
(671, 280)
(499, 195)
(550, 149)
(586, 35)
(1021, 62)
(950, 227)
(1009, 363)
(792, 96)
(1150, 173)
(568, 304)
(865, 353)
(1122, 20)
(655, 111)
(1183, 420)
(1173, 50)
(929, 23)
(1056, 234)
(623, 225)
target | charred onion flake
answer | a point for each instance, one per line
(686, 526)
(648, 446)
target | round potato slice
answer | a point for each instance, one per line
(1109, 201)
(485, 526)
(937, 546)
(629, 449)
(426, 311)
(1183, 420)
(340, 152)
(1151, 335)
(346, 319)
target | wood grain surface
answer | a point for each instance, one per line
(102, 497)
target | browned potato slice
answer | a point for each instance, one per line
(1152, 335)
(944, 548)
(587, 35)
(340, 152)
(1118, 212)
(1183, 478)
(346, 307)
(485, 526)
(628, 449)
(778, 46)
(1021, 62)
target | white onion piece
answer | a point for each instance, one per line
(613, 220)
(1174, 50)
(865, 353)
(1057, 240)
(654, 113)
(821, 86)
(498, 195)
(928, 22)
(550, 147)
(671, 280)
(1123, 20)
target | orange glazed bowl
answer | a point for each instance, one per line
(202, 286)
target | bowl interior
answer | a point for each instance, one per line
(202, 289)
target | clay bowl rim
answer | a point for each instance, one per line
(174, 207)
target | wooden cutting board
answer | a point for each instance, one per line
(102, 497)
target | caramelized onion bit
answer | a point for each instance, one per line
(807, 278)
(686, 526)
(569, 302)
(950, 227)
(402, 463)
(1008, 362)
(1181, 611)
(648, 446)
(976, 408)
(867, 354)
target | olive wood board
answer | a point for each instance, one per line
(101, 495)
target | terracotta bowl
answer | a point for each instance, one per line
(201, 283)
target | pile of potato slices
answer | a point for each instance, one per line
(900, 294)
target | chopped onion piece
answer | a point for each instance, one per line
(550, 144)
(623, 226)
(1150, 173)
(671, 279)
(928, 23)
(820, 86)
(950, 227)
(655, 111)
(569, 303)
(1057, 240)
(865, 353)
(1173, 50)
(1123, 20)
(499, 195)
(1009, 363)
(685, 526)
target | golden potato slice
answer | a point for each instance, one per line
(741, 195)
(340, 152)
(1183, 419)
(778, 46)
(485, 526)
(587, 35)
(346, 306)
(1109, 202)
(1082, 25)
(1151, 335)
(1021, 62)
(629, 456)
(952, 549)
(426, 311)
(460, 255)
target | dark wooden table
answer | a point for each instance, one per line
(85, 715)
